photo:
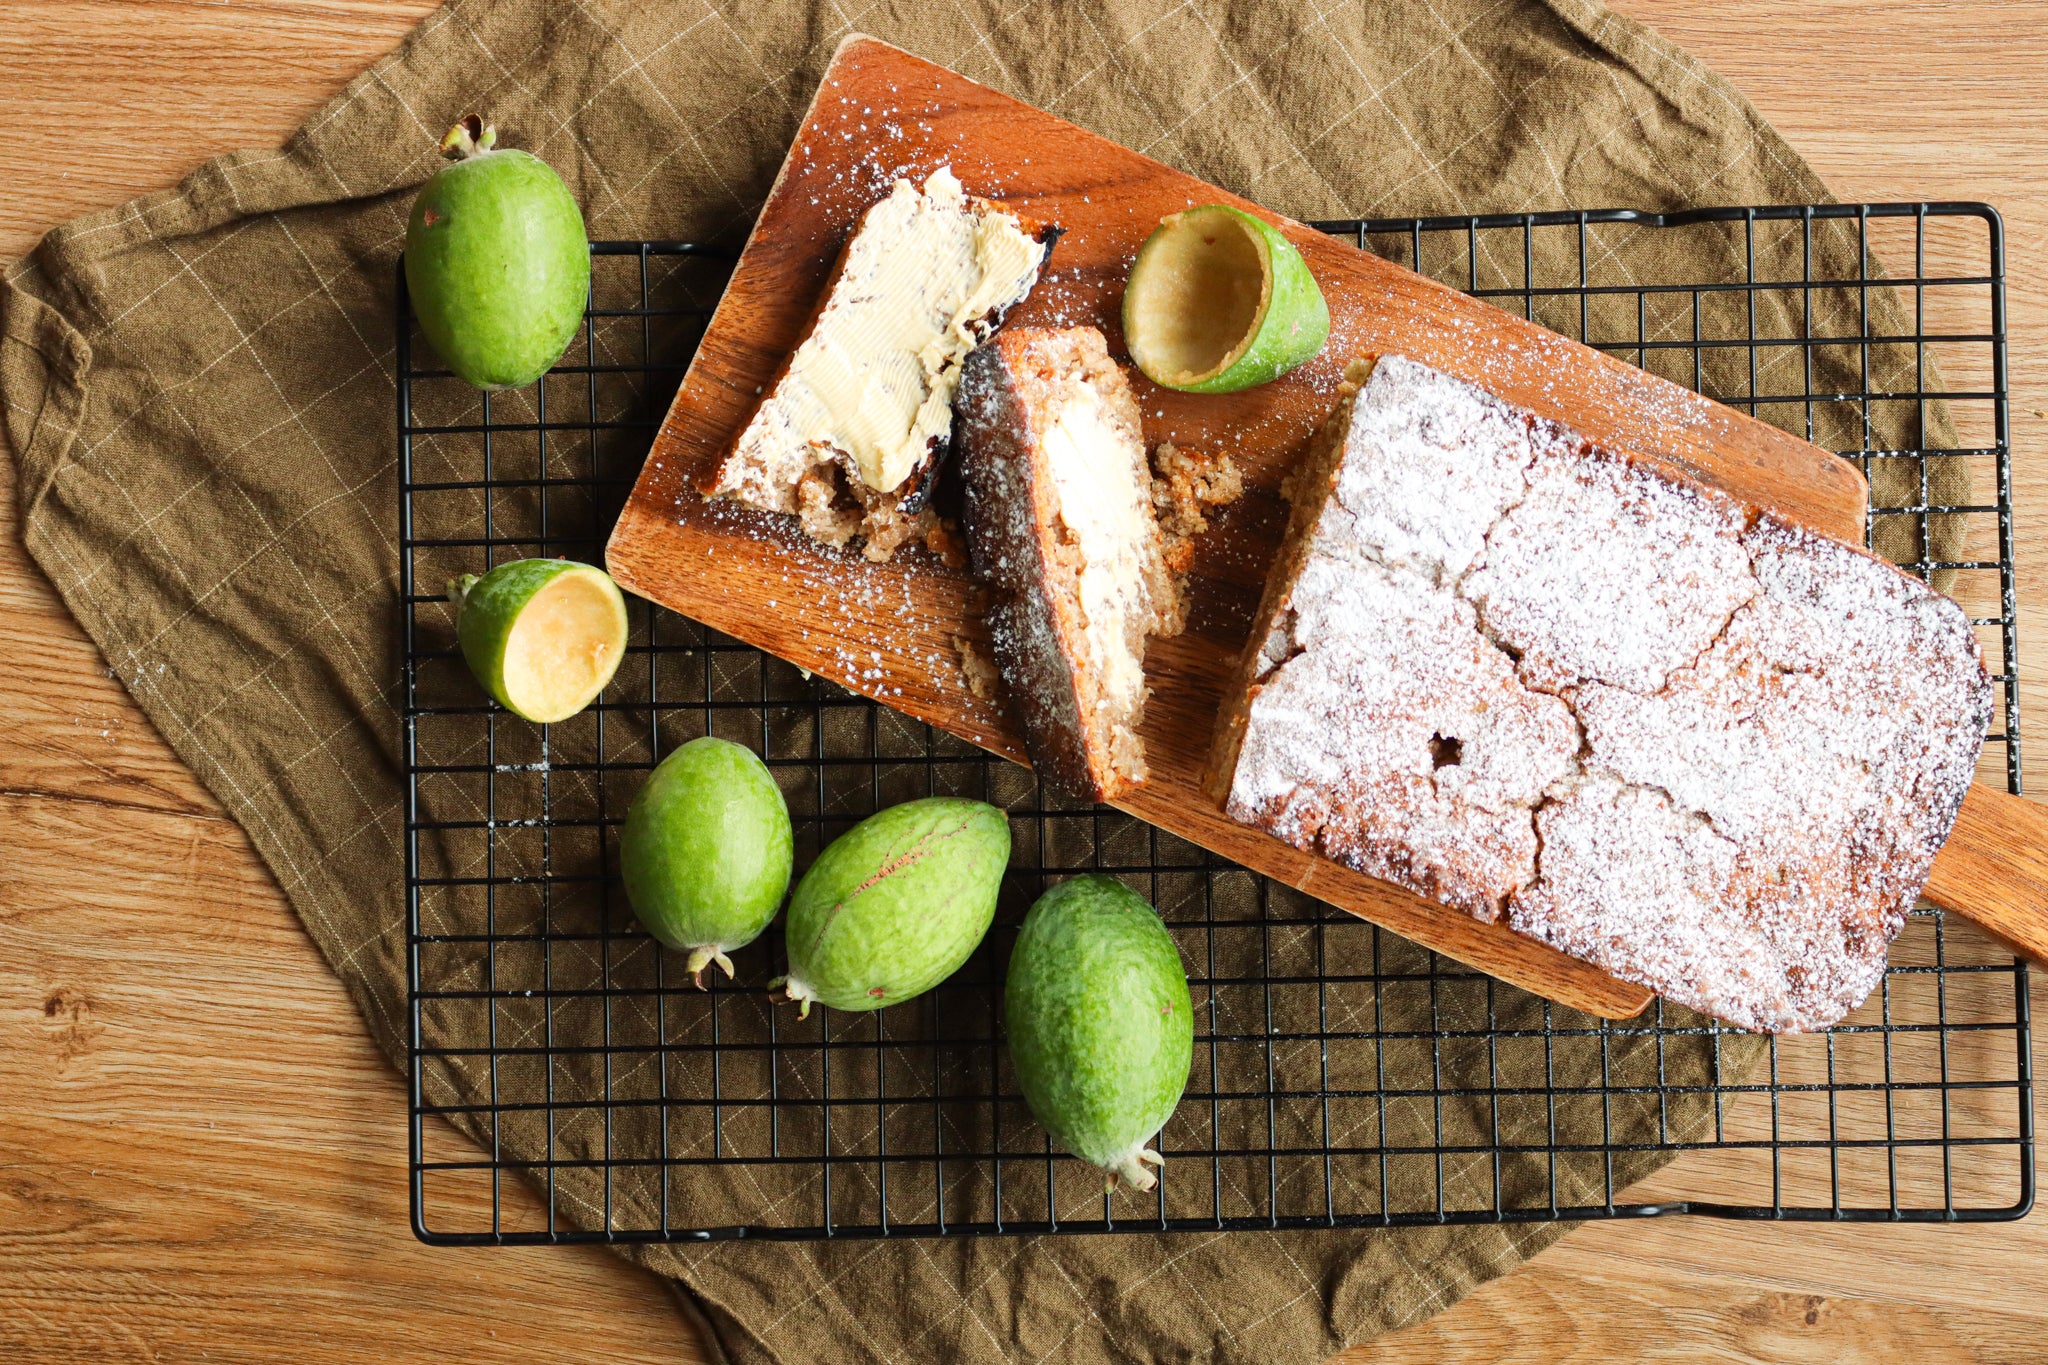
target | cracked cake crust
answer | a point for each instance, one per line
(1654, 727)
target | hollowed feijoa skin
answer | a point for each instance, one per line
(496, 261)
(706, 851)
(1101, 1026)
(893, 906)
(1219, 300)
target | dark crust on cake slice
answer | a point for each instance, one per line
(1020, 547)
(898, 512)
(1307, 488)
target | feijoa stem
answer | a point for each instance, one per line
(458, 590)
(471, 137)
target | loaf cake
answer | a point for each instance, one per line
(1645, 723)
(1061, 527)
(848, 435)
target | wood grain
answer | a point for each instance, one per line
(1994, 869)
(117, 1245)
(888, 630)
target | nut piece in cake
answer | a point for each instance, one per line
(1060, 525)
(853, 427)
(1654, 727)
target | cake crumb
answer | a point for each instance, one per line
(978, 667)
(942, 537)
(1186, 486)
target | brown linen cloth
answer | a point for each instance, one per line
(199, 389)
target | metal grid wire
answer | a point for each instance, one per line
(1343, 1077)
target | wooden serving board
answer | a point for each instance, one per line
(887, 630)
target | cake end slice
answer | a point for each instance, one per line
(1060, 524)
(851, 431)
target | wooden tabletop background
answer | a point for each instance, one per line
(202, 1157)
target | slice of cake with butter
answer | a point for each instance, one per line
(1655, 727)
(1061, 526)
(850, 433)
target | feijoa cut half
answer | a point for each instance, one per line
(1219, 300)
(1100, 1023)
(543, 636)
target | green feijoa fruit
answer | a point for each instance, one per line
(496, 261)
(1101, 1026)
(706, 851)
(894, 905)
(543, 636)
(1219, 300)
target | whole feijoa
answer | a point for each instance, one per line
(706, 851)
(893, 906)
(496, 261)
(1101, 1026)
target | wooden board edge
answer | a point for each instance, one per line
(1993, 869)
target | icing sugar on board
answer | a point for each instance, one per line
(887, 630)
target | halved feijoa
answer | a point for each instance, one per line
(543, 636)
(1100, 1023)
(1219, 300)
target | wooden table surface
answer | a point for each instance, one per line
(201, 1156)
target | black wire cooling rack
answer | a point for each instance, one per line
(568, 1085)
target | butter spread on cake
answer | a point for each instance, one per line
(1060, 524)
(853, 426)
(1654, 727)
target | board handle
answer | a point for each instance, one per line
(1993, 871)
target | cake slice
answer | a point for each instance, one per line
(1060, 526)
(1655, 727)
(852, 429)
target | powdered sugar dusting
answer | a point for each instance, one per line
(1346, 750)
(1450, 460)
(1707, 751)
(1595, 542)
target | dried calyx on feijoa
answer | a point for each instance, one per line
(706, 851)
(1219, 300)
(1100, 1023)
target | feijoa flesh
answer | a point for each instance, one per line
(1101, 1026)
(1219, 300)
(706, 851)
(543, 636)
(496, 261)
(896, 904)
